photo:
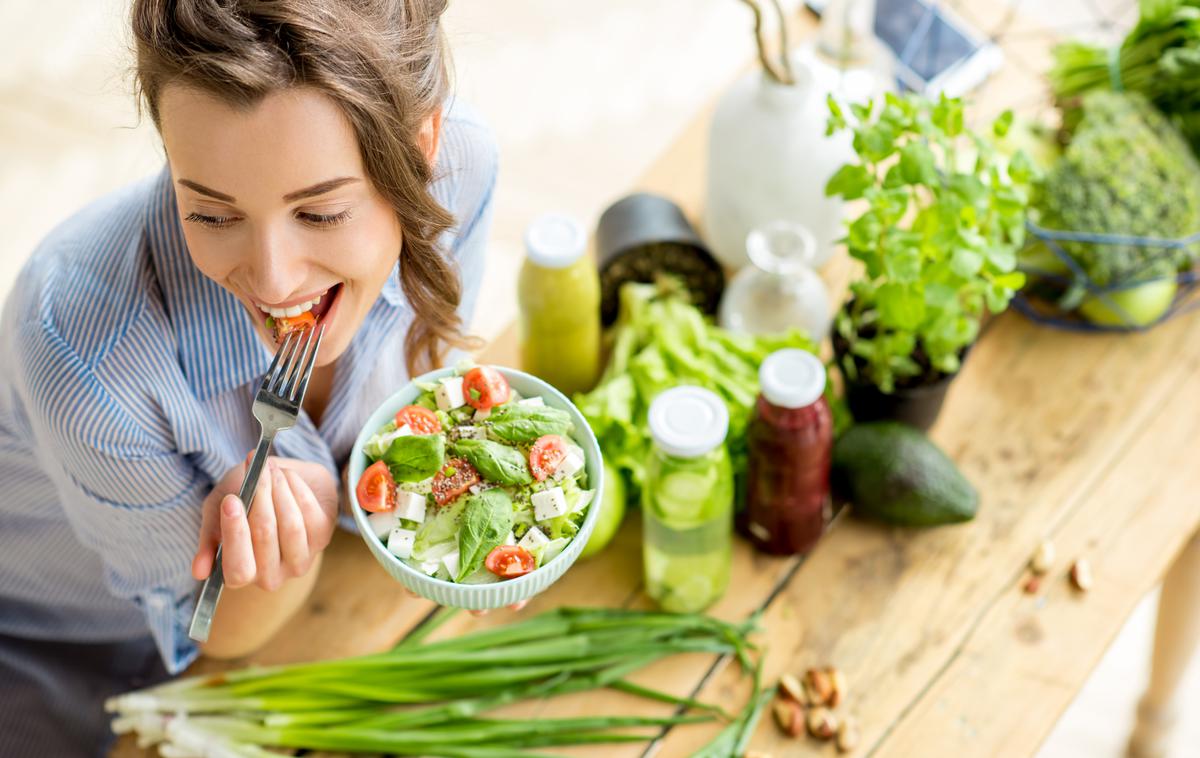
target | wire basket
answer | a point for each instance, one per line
(1052, 297)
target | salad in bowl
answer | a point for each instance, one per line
(474, 486)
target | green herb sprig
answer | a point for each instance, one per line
(944, 218)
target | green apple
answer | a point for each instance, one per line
(1144, 304)
(612, 512)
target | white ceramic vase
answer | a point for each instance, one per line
(769, 160)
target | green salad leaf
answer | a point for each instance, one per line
(486, 521)
(525, 423)
(496, 462)
(439, 528)
(659, 342)
(415, 457)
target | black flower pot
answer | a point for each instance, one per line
(917, 405)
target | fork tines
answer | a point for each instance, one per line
(293, 364)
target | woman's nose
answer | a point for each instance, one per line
(276, 272)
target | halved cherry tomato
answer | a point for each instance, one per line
(484, 387)
(509, 561)
(455, 478)
(376, 490)
(418, 418)
(285, 325)
(547, 453)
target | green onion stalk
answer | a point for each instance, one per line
(1159, 58)
(430, 698)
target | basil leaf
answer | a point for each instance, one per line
(487, 519)
(415, 457)
(495, 462)
(525, 423)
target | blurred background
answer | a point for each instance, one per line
(582, 97)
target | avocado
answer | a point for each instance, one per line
(891, 472)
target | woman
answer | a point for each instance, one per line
(313, 162)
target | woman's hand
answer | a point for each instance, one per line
(294, 514)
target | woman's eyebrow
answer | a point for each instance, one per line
(319, 188)
(197, 187)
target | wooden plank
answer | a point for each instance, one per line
(1037, 420)
(1023, 662)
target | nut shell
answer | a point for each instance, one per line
(1081, 575)
(822, 723)
(1043, 559)
(789, 716)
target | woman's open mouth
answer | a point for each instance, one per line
(319, 310)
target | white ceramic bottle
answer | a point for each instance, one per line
(769, 158)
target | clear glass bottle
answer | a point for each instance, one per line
(687, 501)
(779, 290)
(790, 441)
(558, 292)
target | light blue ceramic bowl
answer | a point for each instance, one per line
(480, 596)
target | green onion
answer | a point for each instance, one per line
(430, 698)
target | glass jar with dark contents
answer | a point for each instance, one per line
(790, 439)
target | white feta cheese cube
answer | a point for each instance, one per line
(410, 506)
(570, 466)
(532, 401)
(450, 561)
(400, 542)
(511, 539)
(382, 523)
(429, 567)
(533, 538)
(549, 504)
(471, 433)
(403, 431)
(482, 414)
(449, 394)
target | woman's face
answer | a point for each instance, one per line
(277, 208)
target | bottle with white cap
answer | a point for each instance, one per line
(687, 501)
(790, 441)
(558, 293)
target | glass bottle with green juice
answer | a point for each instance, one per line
(558, 292)
(687, 501)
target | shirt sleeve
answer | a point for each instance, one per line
(126, 494)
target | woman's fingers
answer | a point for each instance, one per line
(293, 536)
(264, 532)
(514, 607)
(318, 522)
(210, 537)
(237, 551)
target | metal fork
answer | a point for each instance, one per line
(276, 406)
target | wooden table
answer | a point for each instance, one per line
(1090, 441)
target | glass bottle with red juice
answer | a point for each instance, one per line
(790, 440)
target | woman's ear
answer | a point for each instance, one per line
(430, 136)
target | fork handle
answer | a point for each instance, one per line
(210, 593)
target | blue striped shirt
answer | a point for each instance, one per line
(125, 394)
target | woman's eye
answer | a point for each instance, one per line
(324, 219)
(212, 222)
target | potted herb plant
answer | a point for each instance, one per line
(943, 218)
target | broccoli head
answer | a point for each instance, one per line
(1127, 171)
